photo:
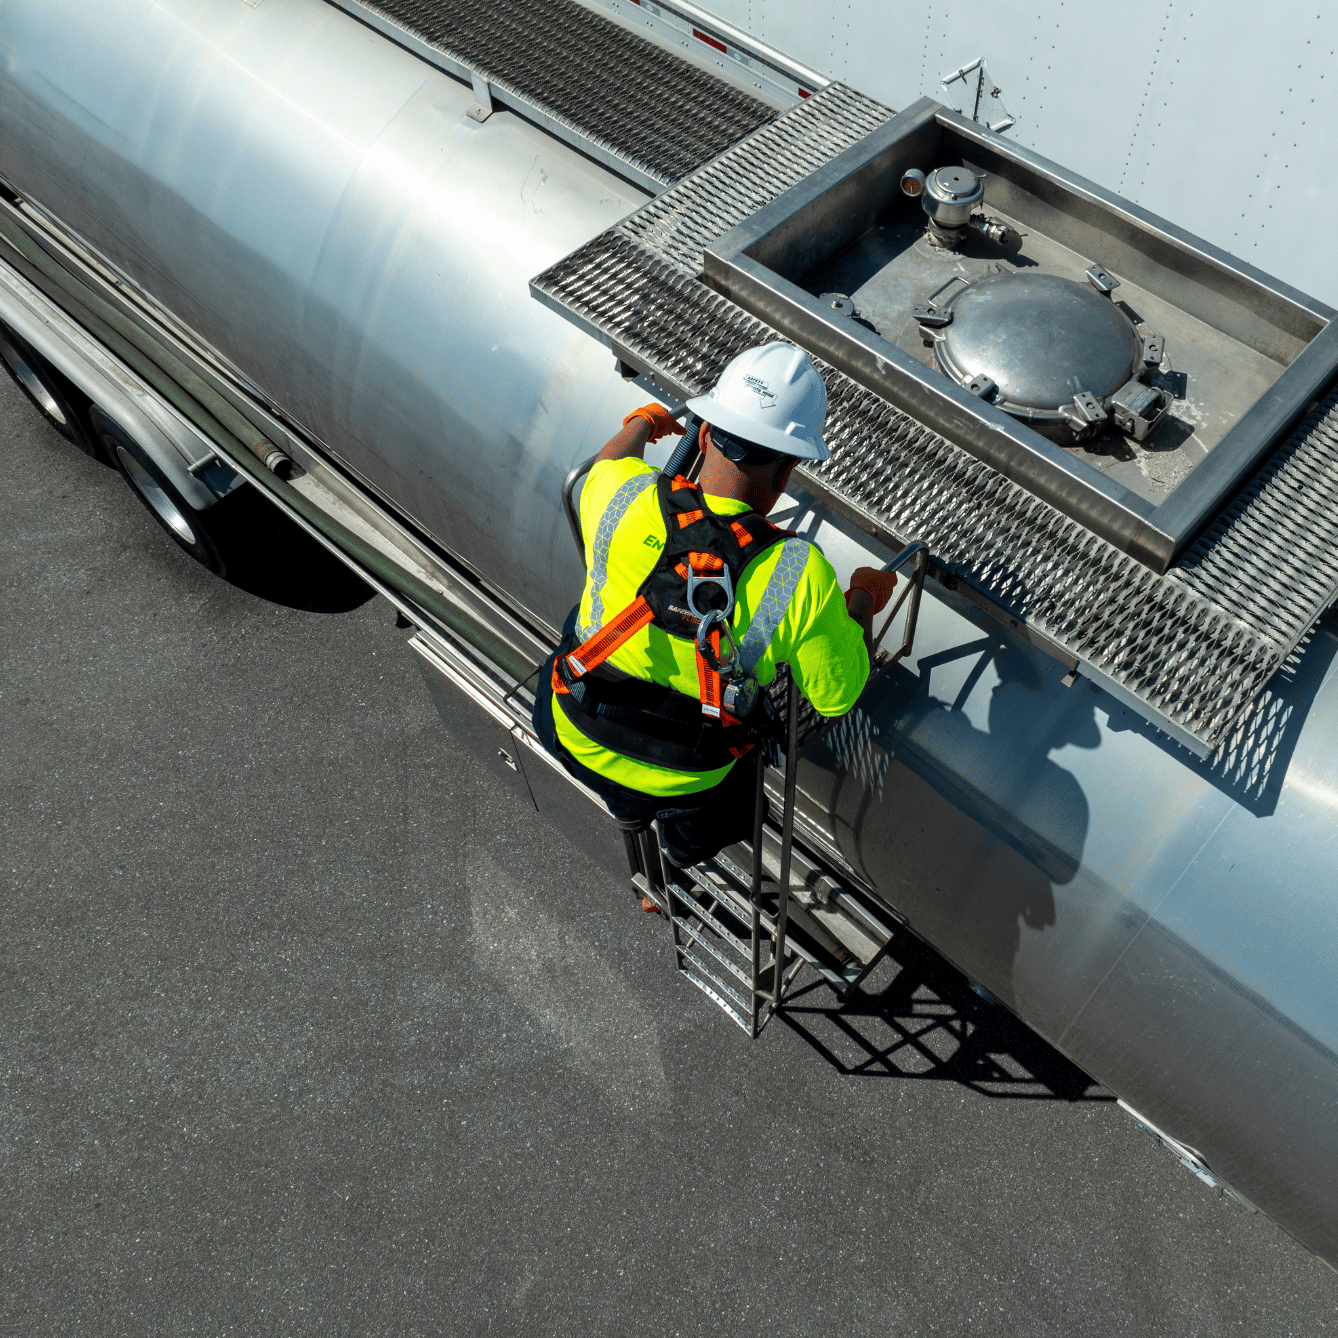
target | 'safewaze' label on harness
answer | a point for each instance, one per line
(689, 594)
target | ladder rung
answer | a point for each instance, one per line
(696, 936)
(865, 922)
(715, 910)
(721, 1003)
(704, 969)
(725, 889)
(734, 873)
(839, 979)
(742, 948)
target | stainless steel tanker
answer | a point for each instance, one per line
(319, 211)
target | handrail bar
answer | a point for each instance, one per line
(918, 550)
(574, 475)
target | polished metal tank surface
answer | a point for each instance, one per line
(1170, 924)
(318, 206)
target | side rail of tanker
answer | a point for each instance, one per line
(150, 400)
(200, 444)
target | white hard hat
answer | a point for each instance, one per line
(771, 396)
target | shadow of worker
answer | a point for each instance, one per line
(949, 802)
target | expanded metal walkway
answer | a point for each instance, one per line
(1191, 649)
(646, 108)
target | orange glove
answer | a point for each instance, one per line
(878, 585)
(662, 423)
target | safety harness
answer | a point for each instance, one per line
(689, 594)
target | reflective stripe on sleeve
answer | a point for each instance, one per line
(627, 493)
(775, 601)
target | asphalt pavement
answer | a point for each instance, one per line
(309, 1029)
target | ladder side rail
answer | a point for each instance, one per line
(574, 475)
(755, 887)
(918, 551)
(787, 836)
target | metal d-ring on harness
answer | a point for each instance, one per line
(713, 618)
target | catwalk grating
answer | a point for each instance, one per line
(640, 104)
(1191, 649)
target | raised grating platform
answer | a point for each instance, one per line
(651, 113)
(1191, 649)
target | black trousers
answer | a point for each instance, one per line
(693, 826)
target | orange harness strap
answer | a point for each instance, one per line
(589, 654)
(593, 652)
(708, 680)
(701, 563)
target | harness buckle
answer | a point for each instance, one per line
(739, 691)
(740, 695)
(730, 663)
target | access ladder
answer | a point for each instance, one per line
(740, 927)
(741, 930)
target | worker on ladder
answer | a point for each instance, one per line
(692, 599)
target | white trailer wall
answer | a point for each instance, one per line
(1221, 117)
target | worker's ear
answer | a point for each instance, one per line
(704, 442)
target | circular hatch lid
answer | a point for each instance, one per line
(1040, 338)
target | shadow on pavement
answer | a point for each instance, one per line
(286, 566)
(927, 1023)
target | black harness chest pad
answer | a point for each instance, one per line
(666, 588)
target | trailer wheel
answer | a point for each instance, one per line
(54, 396)
(206, 536)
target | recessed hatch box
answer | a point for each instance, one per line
(1118, 367)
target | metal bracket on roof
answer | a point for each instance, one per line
(482, 108)
(979, 97)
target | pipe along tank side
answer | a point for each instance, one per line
(315, 203)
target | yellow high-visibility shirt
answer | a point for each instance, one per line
(788, 606)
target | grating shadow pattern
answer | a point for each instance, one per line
(1194, 647)
(643, 104)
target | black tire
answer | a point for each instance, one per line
(208, 537)
(54, 396)
(243, 537)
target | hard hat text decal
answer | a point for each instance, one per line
(761, 389)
